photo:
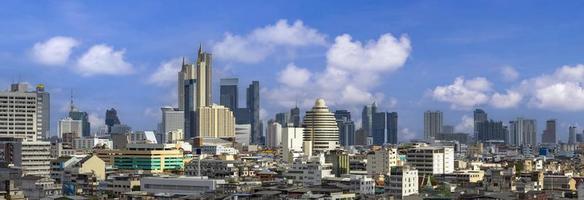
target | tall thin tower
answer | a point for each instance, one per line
(204, 78)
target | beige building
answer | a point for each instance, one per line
(380, 161)
(215, 121)
(18, 113)
(321, 132)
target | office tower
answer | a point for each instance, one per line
(69, 129)
(111, 119)
(346, 127)
(522, 132)
(361, 137)
(479, 116)
(186, 73)
(189, 109)
(549, 134)
(367, 118)
(291, 142)
(43, 112)
(572, 135)
(76, 114)
(295, 116)
(215, 121)
(228, 93)
(320, 129)
(282, 119)
(243, 116)
(490, 130)
(448, 129)
(274, 134)
(172, 120)
(19, 113)
(432, 124)
(385, 128)
(204, 78)
(253, 104)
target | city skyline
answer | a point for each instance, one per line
(451, 70)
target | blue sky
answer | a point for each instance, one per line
(512, 58)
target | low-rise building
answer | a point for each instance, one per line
(182, 185)
(402, 181)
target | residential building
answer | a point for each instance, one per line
(432, 124)
(215, 121)
(380, 161)
(32, 157)
(402, 182)
(522, 132)
(431, 160)
(309, 172)
(292, 138)
(19, 113)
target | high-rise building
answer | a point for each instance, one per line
(385, 128)
(346, 127)
(186, 73)
(172, 120)
(549, 134)
(43, 112)
(215, 121)
(111, 119)
(295, 116)
(189, 108)
(253, 104)
(228, 93)
(522, 132)
(572, 135)
(19, 113)
(367, 118)
(32, 157)
(68, 125)
(479, 116)
(204, 79)
(432, 124)
(320, 129)
(274, 134)
(491, 130)
(76, 114)
(283, 119)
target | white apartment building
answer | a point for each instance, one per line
(362, 184)
(430, 160)
(181, 185)
(274, 134)
(34, 158)
(18, 113)
(403, 181)
(310, 172)
(379, 162)
(90, 142)
(291, 142)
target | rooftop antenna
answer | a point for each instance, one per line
(71, 105)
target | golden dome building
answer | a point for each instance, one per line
(320, 129)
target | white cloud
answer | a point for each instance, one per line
(96, 120)
(386, 54)
(349, 84)
(466, 125)
(103, 60)
(167, 73)
(262, 42)
(561, 91)
(463, 94)
(405, 134)
(54, 51)
(294, 76)
(509, 100)
(509, 73)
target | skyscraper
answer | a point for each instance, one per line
(283, 119)
(432, 124)
(25, 112)
(43, 112)
(111, 119)
(346, 127)
(491, 130)
(187, 72)
(385, 128)
(320, 129)
(76, 114)
(253, 104)
(522, 132)
(228, 93)
(549, 134)
(479, 116)
(189, 112)
(295, 116)
(367, 118)
(572, 135)
(204, 78)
